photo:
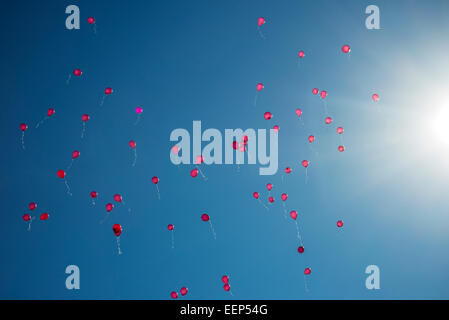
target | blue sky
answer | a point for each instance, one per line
(184, 61)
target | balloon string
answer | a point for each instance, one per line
(105, 218)
(23, 140)
(260, 33)
(70, 165)
(263, 204)
(212, 229)
(118, 246)
(83, 130)
(305, 284)
(129, 209)
(95, 28)
(172, 240)
(325, 107)
(41, 122)
(298, 234)
(135, 157)
(137, 120)
(68, 79)
(68, 188)
(102, 100)
(255, 100)
(158, 193)
(93, 201)
(202, 174)
(307, 177)
(285, 210)
(29, 224)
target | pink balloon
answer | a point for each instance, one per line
(284, 197)
(199, 159)
(315, 91)
(298, 112)
(375, 97)
(118, 198)
(75, 154)
(323, 94)
(109, 207)
(301, 54)
(155, 180)
(194, 173)
(132, 144)
(94, 194)
(108, 90)
(85, 117)
(311, 138)
(267, 115)
(183, 291)
(32, 205)
(174, 295)
(328, 120)
(339, 223)
(256, 195)
(227, 287)
(260, 21)
(50, 112)
(260, 86)
(170, 227)
(23, 126)
(346, 48)
(205, 217)
(305, 163)
(293, 214)
(225, 279)
(90, 20)
(269, 186)
(139, 110)
(301, 249)
(340, 130)
(288, 170)
(175, 149)
(276, 128)
(77, 72)
(307, 271)
(26, 217)
(341, 148)
(271, 199)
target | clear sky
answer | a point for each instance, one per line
(201, 60)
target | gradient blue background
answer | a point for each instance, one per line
(201, 60)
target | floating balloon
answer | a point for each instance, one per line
(118, 198)
(91, 20)
(301, 54)
(307, 271)
(341, 148)
(132, 144)
(259, 88)
(61, 174)
(323, 94)
(269, 186)
(108, 91)
(256, 196)
(328, 120)
(109, 207)
(183, 291)
(23, 127)
(375, 97)
(155, 181)
(294, 216)
(200, 160)
(225, 279)
(45, 216)
(305, 164)
(288, 170)
(346, 48)
(340, 130)
(300, 249)
(175, 149)
(315, 91)
(77, 72)
(339, 223)
(276, 128)
(50, 112)
(174, 295)
(117, 229)
(171, 228)
(32, 205)
(205, 217)
(298, 112)
(284, 198)
(267, 115)
(311, 138)
(194, 173)
(235, 145)
(85, 118)
(227, 287)
(27, 218)
(75, 154)
(93, 196)
(271, 199)
(261, 21)
(139, 111)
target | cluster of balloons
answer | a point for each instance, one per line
(183, 291)
(28, 218)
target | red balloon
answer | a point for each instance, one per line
(305, 163)
(174, 295)
(227, 287)
(323, 94)
(118, 198)
(90, 20)
(267, 115)
(183, 291)
(32, 205)
(225, 279)
(375, 97)
(26, 217)
(260, 86)
(346, 49)
(298, 112)
(199, 159)
(260, 21)
(85, 117)
(328, 120)
(284, 197)
(94, 194)
(109, 207)
(307, 271)
(315, 91)
(194, 173)
(271, 199)
(339, 223)
(276, 128)
(170, 227)
(311, 138)
(77, 72)
(341, 148)
(205, 217)
(235, 145)
(288, 170)
(269, 186)
(108, 90)
(340, 130)
(301, 249)
(301, 54)
(61, 174)
(155, 180)
(117, 229)
(132, 144)
(75, 154)
(50, 112)
(256, 195)
(45, 216)
(293, 214)
(23, 126)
